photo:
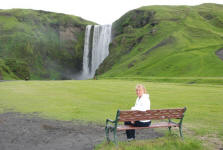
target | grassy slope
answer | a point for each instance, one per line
(5, 72)
(43, 41)
(97, 100)
(182, 43)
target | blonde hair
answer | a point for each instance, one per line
(141, 86)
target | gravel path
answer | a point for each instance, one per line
(219, 53)
(30, 132)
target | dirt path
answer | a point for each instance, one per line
(26, 132)
(219, 53)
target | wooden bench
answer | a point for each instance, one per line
(130, 115)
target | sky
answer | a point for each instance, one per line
(99, 11)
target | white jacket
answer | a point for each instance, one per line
(142, 104)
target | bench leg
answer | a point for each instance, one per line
(107, 134)
(180, 127)
(181, 134)
(169, 129)
(170, 126)
(115, 137)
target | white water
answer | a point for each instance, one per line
(100, 49)
(85, 72)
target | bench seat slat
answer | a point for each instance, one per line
(147, 117)
(155, 125)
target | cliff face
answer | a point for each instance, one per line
(166, 41)
(40, 44)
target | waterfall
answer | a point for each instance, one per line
(95, 54)
(85, 72)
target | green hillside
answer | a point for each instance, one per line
(167, 41)
(40, 45)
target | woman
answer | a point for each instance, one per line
(142, 104)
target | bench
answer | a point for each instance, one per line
(134, 115)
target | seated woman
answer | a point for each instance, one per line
(142, 104)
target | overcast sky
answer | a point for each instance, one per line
(99, 11)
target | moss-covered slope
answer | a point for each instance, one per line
(40, 45)
(167, 41)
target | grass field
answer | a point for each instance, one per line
(96, 100)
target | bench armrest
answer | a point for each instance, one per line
(109, 120)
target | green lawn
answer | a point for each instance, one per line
(96, 100)
(165, 143)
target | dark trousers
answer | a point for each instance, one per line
(131, 133)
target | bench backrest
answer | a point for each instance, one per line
(158, 114)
